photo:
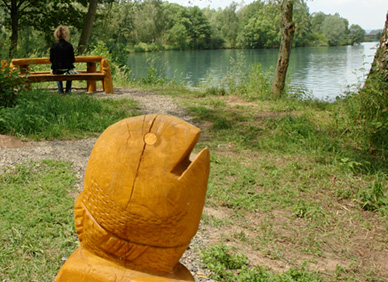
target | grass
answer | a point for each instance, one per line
(40, 114)
(291, 188)
(293, 195)
(36, 220)
(229, 266)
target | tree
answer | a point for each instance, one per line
(303, 34)
(17, 10)
(228, 24)
(41, 15)
(335, 30)
(317, 20)
(261, 30)
(356, 34)
(87, 28)
(373, 112)
(288, 29)
(378, 74)
(150, 21)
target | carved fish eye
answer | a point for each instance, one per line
(150, 138)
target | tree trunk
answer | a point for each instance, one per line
(87, 29)
(379, 68)
(14, 28)
(288, 29)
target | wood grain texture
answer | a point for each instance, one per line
(143, 196)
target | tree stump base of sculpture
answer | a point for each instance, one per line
(84, 266)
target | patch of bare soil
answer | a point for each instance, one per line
(10, 142)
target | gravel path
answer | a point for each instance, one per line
(13, 151)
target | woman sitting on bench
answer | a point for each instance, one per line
(62, 56)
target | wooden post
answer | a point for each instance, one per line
(107, 83)
(141, 204)
(91, 84)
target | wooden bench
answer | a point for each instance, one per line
(91, 75)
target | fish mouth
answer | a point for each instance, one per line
(173, 139)
(187, 158)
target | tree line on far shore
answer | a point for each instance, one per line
(151, 25)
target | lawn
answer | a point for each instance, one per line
(293, 194)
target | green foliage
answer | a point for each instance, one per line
(133, 26)
(303, 28)
(42, 115)
(356, 34)
(368, 109)
(227, 23)
(256, 84)
(214, 90)
(228, 266)
(11, 85)
(335, 30)
(263, 29)
(153, 77)
(252, 83)
(100, 49)
(36, 220)
(198, 29)
(177, 36)
(375, 197)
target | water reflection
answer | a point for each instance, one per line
(323, 71)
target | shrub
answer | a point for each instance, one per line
(11, 83)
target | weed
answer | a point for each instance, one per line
(228, 266)
(153, 77)
(215, 90)
(375, 198)
(214, 221)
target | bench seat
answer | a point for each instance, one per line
(43, 76)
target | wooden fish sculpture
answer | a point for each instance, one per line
(141, 204)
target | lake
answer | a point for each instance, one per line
(325, 72)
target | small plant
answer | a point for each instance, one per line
(223, 262)
(375, 198)
(11, 84)
(215, 90)
(228, 266)
(153, 77)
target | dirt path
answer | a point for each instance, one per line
(14, 151)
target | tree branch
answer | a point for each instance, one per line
(20, 3)
(6, 5)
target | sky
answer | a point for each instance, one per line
(369, 14)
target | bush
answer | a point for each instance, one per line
(11, 84)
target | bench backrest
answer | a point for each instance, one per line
(36, 61)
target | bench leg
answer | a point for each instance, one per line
(91, 84)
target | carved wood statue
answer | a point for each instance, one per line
(141, 204)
